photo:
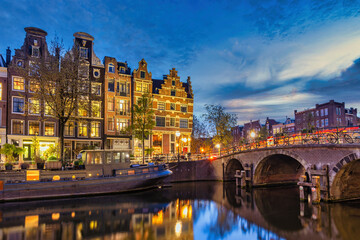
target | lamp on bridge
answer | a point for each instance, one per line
(219, 147)
(177, 133)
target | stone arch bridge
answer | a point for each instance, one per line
(337, 166)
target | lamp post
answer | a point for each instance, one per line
(178, 136)
(218, 147)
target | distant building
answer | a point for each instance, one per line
(252, 126)
(237, 134)
(3, 95)
(269, 125)
(287, 127)
(327, 115)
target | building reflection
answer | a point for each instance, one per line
(151, 221)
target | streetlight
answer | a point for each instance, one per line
(252, 135)
(178, 136)
(218, 146)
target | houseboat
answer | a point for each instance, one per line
(105, 171)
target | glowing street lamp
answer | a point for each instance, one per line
(219, 147)
(252, 135)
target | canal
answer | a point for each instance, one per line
(203, 210)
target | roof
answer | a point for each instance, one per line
(271, 121)
(2, 61)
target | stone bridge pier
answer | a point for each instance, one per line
(335, 168)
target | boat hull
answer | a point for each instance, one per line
(76, 187)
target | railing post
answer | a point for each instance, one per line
(315, 191)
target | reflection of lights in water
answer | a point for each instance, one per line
(178, 227)
(158, 218)
(73, 214)
(93, 225)
(55, 216)
(79, 228)
(31, 221)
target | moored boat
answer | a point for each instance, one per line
(106, 171)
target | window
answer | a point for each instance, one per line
(18, 84)
(83, 52)
(111, 85)
(122, 70)
(34, 128)
(121, 88)
(96, 73)
(322, 123)
(338, 111)
(142, 74)
(84, 71)
(95, 129)
(123, 107)
(121, 124)
(172, 122)
(173, 92)
(82, 127)
(69, 129)
(326, 122)
(33, 86)
(96, 88)
(17, 127)
(183, 123)
(183, 108)
(0, 91)
(326, 111)
(111, 104)
(317, 123)
(48, 111)
(172, 137)
(111, 68)
(161, 106)
(173, 82)
(96, 106)
(145, 87)
(317, 113)
(160, 121)
(322, 112)
(34, 106)
(111, 124)
(18, 105)
(138, 87)
(49, 129)
(35, 51)
(172, 106)
(82, 111)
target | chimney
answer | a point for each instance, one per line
(8, 56)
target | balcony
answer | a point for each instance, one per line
(122, 112)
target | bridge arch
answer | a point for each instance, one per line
(230, 169)
(346, 184)
(278, 168)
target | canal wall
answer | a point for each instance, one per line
(203, 170)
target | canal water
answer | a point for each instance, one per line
(203, 210)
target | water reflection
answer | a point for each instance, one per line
(184, 211)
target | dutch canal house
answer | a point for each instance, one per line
(27, 116)
(3, 95)
(117, 104)
(173, 107)
(85, 129)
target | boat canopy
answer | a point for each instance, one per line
(112, 156)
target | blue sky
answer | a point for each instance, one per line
(257, 58)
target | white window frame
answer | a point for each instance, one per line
(28, 127)
(35, 114)
(73, 135)
(111, 65)
(87, 129)
(54, 129)
(187, 122)
(12, 84)
(185, 107)
(12, 121)
(12, 105)
(163, 106)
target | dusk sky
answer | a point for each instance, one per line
(257, 58)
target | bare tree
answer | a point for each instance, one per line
(59, 82)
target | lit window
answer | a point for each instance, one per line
(160, 121)
(142, 74)
(34, 128)
(161, 106)
(96, 109)
(82, 111)
(18, 105)
(145, 88)
(173, 92)
(111, 104)
(82, 127)
(33, 86)
(18, 84)
(69, 129)
(138, 87)
(17, 127)
(123, 107)
(49, 129)
(34, 106)
(183, 123)
(48, 110)
(111, 68)
(83, 52)
(111, 124)
(121, 124)
(95, 129)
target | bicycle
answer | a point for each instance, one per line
(337, 136)
(310, 138)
